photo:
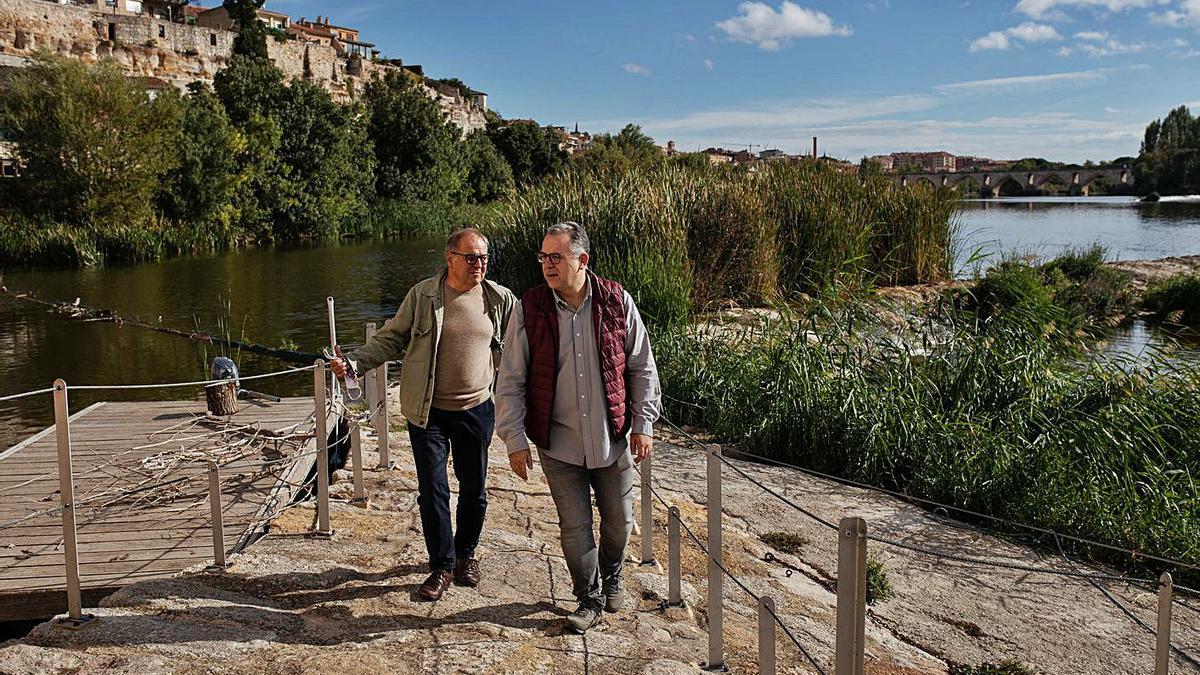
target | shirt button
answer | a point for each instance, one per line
(579, 355)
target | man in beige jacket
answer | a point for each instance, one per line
(449, 332)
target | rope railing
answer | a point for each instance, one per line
(26, 394)
(852, 649)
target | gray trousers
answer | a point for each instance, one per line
(571, 487)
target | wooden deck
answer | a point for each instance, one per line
(133, 538)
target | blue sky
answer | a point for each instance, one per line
(1068, 80)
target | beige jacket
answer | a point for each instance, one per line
(413, 335)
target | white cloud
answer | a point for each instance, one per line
(709, 65)
(1113, 111)
(1044, 9)
(759, 24)
(1187, 16)
(1110, 48)
(1093, 35)
(1026, 32)
(997, 40)
(636, 69)
(1034, 81)
(791, 115)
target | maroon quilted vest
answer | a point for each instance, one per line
(541, 330)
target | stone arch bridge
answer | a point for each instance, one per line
(1079, 181)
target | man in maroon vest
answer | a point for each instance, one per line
(578, 379)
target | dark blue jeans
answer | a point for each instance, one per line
(464, 435)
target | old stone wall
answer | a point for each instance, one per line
(179, 54)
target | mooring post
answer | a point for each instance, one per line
(674, 592)
(766, 636)
(716, 645)
(1162, 653)
(360, 494)
(377, 403)
(322, 460)
(334, 392)
(66, 490)
(647, 515)
(218, 522)
(851, 596)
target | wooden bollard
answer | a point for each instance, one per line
(323, 530)
(66, 490)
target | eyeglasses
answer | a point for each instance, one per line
(473, 258)
(554, 258)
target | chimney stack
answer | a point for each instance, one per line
(814, 148)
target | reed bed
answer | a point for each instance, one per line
(683, 239)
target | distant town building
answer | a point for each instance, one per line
(939, 161)
(342, 38)
(218, 18)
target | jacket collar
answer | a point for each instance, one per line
(490, 293)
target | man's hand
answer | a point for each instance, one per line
(521, 462)
(639, 445)
(338, 365)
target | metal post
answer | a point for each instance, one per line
(647, 516)
(322, 460)
(360, 495)
(218, 524)
(851, 596)
(766, 636)
(1162, 654)
(377, 403)
(335, 392)
(66, 490)
(716, 651)
(674, 594)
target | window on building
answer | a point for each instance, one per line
(212, 39)
(162, 31)
(112, 31)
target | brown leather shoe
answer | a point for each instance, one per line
(466, 572)
(435, 585)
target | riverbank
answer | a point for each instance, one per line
(347, 605)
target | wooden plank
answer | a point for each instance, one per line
(45, 433)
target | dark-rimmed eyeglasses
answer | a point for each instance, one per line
(553, 258)
(473, 258)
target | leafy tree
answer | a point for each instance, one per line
(325, 164)
(251, 38)
(417, 152)
(628, 149)
(249, 86)
(1170, 155)
(201, 187)
(697, 161)
(869, 167)
(488, 176)
(530, 150)
(93, 143)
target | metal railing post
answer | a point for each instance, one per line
(716, 651)
(647, 515)
(1162, 652)
(334, 391)
(322, 461)
(376, 384)
(66, 490)
(674, 592)
(360, 494)
(766, 636)
(851, 596)
(218, 523)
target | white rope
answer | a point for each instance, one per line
(13, 397)
(187, 384)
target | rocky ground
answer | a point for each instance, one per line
(294, 604)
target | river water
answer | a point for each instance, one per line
(277, 296)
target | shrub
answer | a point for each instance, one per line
(1179, 295)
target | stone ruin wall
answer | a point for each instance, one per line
(179, 54)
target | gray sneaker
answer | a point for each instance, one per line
(614, 596)
(583, 618)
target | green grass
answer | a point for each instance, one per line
(1177, 298)
(986, 414)
(1009, 667)
(785, 542)
(879, 587)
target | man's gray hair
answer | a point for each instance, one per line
(457, 236)
(579, 238)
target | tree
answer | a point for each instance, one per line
(251, 38)
(201, 187)
(530, 150)
(488, 176)
(626, 150)
(93, 144)
(248, 87)
(417, 151)
(1169, 161)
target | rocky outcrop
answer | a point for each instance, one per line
(179, 54)
(293, 604)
